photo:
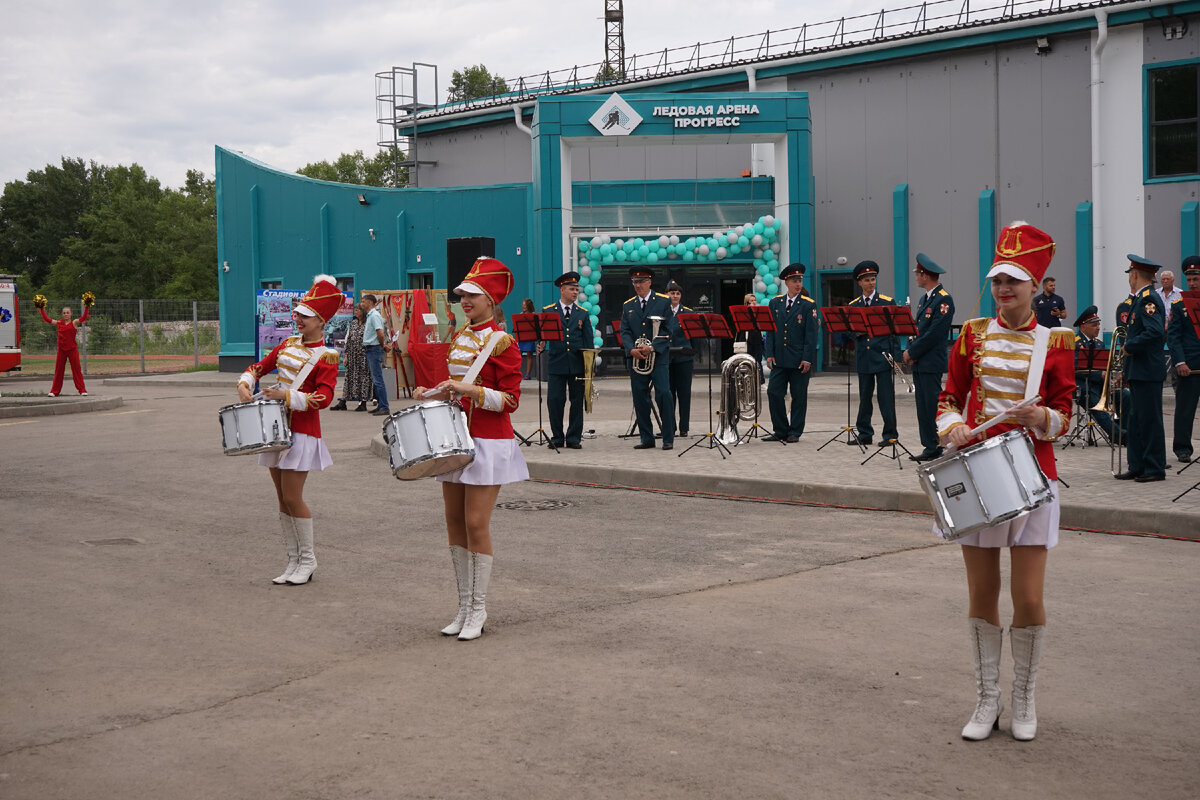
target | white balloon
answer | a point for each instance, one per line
(585, 270)
(757, 240)
(768, 220)
(605, 239)
(758, 253)
(597, 241)
(599, 288)
(721, 252)
(759, 286)
(619, 242)
(739, 229)
(663, 241)
(674, 240)
(775, 247)
(702, 249)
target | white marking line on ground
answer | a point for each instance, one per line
(19, 422)
(119, 413)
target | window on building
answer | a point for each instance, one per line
(345, 283)
(1174, 121)
(420, 280)
(272, 284)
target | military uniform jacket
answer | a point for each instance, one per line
(869, 350)
(928, 349)
(1182, 338)
(794, 339)
(635, 322)
(680, 340)
(1143, 316)
(566, 357)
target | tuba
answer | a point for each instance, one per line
(590, 390)
(739, 396)
(644, 366)
(1112, 398)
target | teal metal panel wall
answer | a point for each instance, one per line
(1085, 285)
(987, 248)
(901, 257)
(1189, 231)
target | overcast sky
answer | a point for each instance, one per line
(160, 82)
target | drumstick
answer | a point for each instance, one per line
(996, 420)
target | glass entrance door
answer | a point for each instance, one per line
(837, 289)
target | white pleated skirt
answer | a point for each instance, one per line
(1038, 528)
(497, 461)
(307, 454)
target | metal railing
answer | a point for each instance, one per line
(884, 25)
(143, 328)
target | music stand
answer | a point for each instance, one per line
(538, 327)
(845, 319)
(756, 320)
(1088, 360)
(633, 430)
(711, 327)
(890, 321)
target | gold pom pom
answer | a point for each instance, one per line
(39, 301)
(88, 299)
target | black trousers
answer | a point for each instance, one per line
(781, 381)
(1187, 393)
(867, 383)
(558, 389)
(927, 385)
(680, 373)
(1146, 443)
(640, 385)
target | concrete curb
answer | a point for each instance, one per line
(51, 406)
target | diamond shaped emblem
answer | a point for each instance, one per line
(615, 117)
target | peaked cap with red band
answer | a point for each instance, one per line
(487, 276)
(323, 300)
(1024, 252)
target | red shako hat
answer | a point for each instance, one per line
(323, 300)
(1023, 252)
(487, 276)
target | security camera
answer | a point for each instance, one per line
(225, 267)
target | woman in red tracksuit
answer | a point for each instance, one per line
(988, 372)
(289, 468)
(67, 347)
(470, 493)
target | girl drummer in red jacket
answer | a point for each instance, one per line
(67, 347)
(304, 399)
(988, 372)
(470, 493)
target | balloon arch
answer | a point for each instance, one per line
(761, 238)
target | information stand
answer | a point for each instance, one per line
(1087, 361)
(889, 321)
(849, 320)
(539, 327)
(710, 327)
(756, 320)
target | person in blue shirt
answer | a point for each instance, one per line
(1184, 344)
(791, 351)
(1048, 307)
(874, 371)
(374, 343)
(1143, 316)
(564, 367)
(637, 321)
(927, 352)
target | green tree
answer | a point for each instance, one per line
(184, 242)
(474, 82)
(40, 216)
(610, 72)
(356, 168)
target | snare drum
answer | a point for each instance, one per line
(259, 426)
(428, 439)
(986, 484)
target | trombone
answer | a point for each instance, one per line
(896, 368)
(1112, 399)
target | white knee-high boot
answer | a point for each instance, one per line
(293, 547)
(986, 643)
(308, 559)
(1027, 652)
(480, 572)
(461, 559)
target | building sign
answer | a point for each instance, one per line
(707, 116)
(615, 117)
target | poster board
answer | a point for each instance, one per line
(273, 320)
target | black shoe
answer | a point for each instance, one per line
(792, 439)
(1127, 476)
(556, 444)
(860, 440)
(1184, 459)
(1150, 478)
(668, 445)
(683, 434)
(340, 405)
(928, 455)
(574, 446)
(644, 446)
(381, 412)
(774, 438)
(361, 406)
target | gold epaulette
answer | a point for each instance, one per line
(503, 344)
(885, 297)
(630, 300)
(1062, 338)
(660, 294)
(941, 291)
(976, 326)
(855, 300)
(330, 357)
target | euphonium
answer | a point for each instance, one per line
(590, 391)
(644, 366)
(739, 395)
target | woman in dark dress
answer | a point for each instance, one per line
(357, 384)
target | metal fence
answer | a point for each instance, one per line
(144, 328)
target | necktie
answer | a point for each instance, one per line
(788, 307)
(643, 304)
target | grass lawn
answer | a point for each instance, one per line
(118, 365)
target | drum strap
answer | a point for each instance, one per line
(1037, 362)
(484, 352)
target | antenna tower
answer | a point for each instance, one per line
(614, 40)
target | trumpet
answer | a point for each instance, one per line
(896, 368)
(644, 366)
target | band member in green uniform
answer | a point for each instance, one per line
(637, 315)
(564, 365)
(1185, 356)
(927, 352)
(871, 364)
(1142, 315)
(791, 351)
(1089, 384)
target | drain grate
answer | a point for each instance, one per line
(534, 505)
(102, 542)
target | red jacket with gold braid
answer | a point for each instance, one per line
(498, 385)
(989, 366)
(304, 402)
(66, 330)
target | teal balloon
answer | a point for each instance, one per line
(598, 341)
(584, 280)
(636, 255)
(627, 247)
(639, 243)
(589, 290)
(689, 245)
(652, 258)
(689, 255)
(722, 240)
(759, 227)
(643, 251)
(585, 246)
(622, 255)
(605, 249)
(743, 242)
(608, 259)
(595, 320)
